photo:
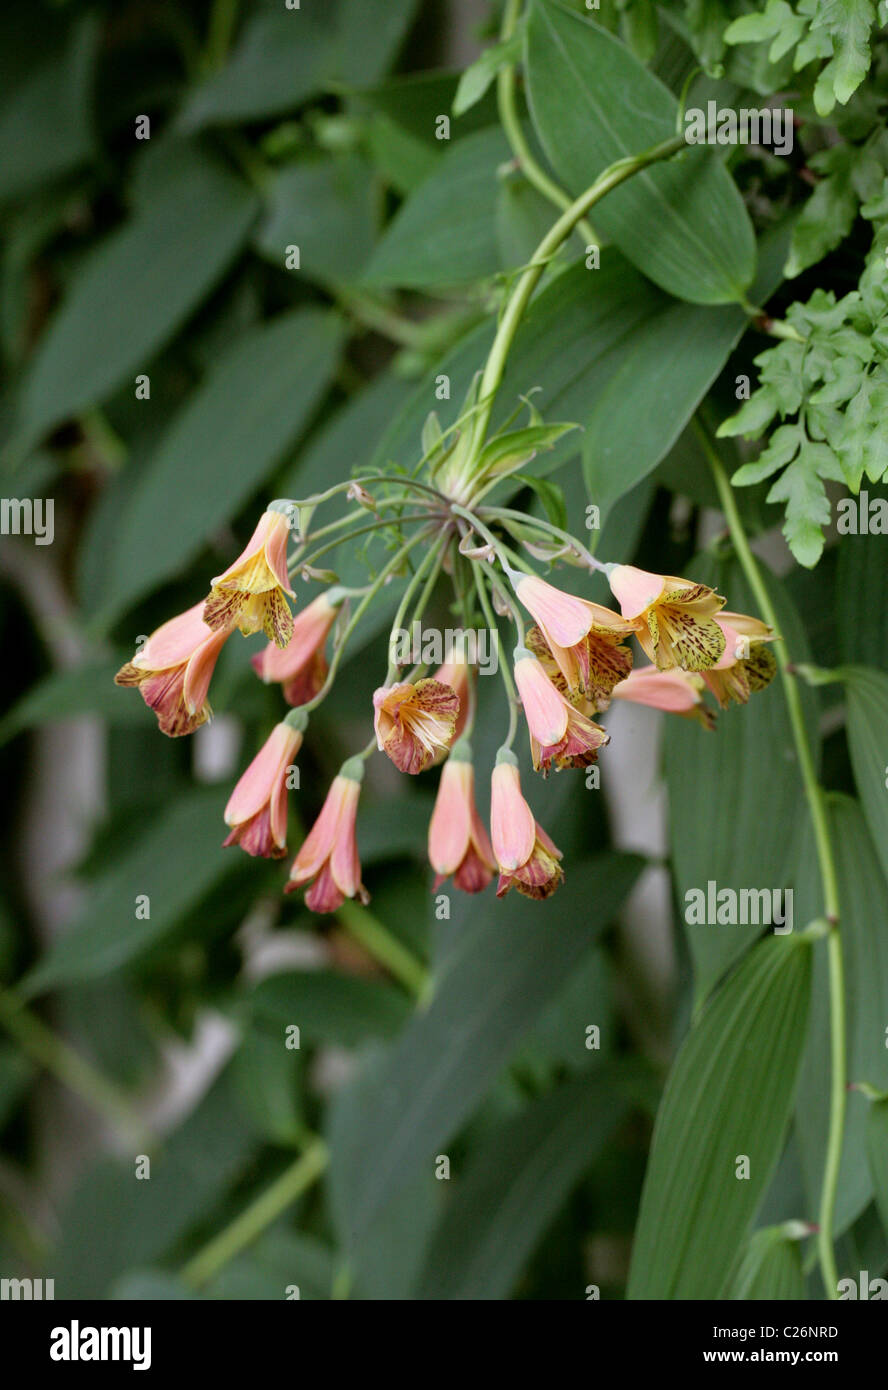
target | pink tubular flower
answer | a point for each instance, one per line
(257, 808)
(458, 842)
(414, 722)
(676, 692)
(172, 671)
(328, 859)
(746, 663)
(250, 593)
(527, 858)
(301, 666)
(559, 733)
(674, 618)
(585, 640)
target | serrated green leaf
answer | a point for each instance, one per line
(753, 416)
(800, 486)
(827, 217)
(848, 24)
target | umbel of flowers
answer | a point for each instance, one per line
(571, 658)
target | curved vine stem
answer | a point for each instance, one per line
(507, 105)
(505, 673)
(259, 1215)
(495, 366)
(817, 808)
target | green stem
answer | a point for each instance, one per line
(484, 531)
(266, 1208)
(546, 527)
(510, 601)
(222, 21)
(374, 314)
(359, 612)
(507, 103)
(370, 933)
(495, 366)
(299, 560)
(817, 809)
(432, 557)
(57, 1057)
(490, 619)
(373, 479)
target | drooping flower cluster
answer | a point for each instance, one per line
(567, 667)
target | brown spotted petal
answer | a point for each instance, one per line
(415, 722)
(674, 618)
(250, 593)
(746, 663)
(679, 636)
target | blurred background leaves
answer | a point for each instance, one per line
(160, 161)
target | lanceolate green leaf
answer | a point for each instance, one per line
(87, 689)
(771, 1267)
(328, 1007)
(723, 828)
(877, 1153)
(661, 375)
(861, 611)
(493, 985)
(863, 898)
(445, 233)
(283, 56)
(514, 1184)
(240, 421)
(46, 122)
(136, 290)
(683, 223)
(721, 1125)
(867, 724)
(144, 1218)
(327, 210)
(175, 861)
